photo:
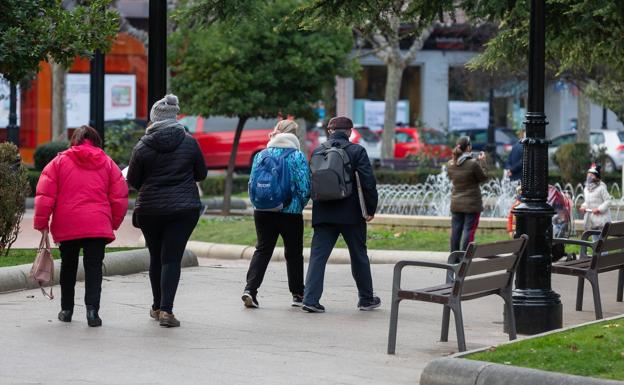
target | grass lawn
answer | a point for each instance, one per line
(241, 231)
(593, 351)
(24, 256)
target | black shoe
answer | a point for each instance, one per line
(297, 301)
(369, 304)
(318, 308)
(250, 300)
(65, 315)
(93, 319)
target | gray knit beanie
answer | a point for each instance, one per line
(165, 109)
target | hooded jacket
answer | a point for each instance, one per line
(466, 174)
(84, 192)
(297, 166)
(164, 167)
(348, 211)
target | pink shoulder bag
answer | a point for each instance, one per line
(42, 269)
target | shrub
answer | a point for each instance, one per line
(215, 185)
(46, 152)
(13, 191)
(121, 137)
(33, 179)
(573, 160)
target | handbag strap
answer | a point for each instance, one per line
(48, 296)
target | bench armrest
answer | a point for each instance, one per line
(567, 241)
(401, 264)
(588, 233)
(398, 268)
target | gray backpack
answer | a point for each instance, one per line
(331, 173)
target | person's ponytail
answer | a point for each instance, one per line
(461, 146)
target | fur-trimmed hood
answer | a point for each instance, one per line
(285, 140)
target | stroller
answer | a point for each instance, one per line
(562, 221)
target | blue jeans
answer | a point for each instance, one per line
(323, 242)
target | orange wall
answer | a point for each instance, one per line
(127, 56)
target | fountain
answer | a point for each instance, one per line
(433, 197)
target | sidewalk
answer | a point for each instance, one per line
(220, 342)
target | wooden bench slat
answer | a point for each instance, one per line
(497, 248)
(485, 283)
(616, 229)
(611, 244)
(490, 265)
(610, 260)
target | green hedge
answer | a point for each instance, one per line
(215, 185)
(33, 178)
(46, 152)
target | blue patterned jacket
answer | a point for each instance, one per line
(299, 171)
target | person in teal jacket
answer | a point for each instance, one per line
(288, 222)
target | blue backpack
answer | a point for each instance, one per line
(269, 184)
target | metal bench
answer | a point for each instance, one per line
(480, 271)
(607, 255)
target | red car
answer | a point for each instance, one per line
(215, 140)
(411, 141)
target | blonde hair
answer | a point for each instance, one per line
(286, 127)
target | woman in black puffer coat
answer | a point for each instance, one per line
(164, 168)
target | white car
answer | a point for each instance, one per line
(611, 141)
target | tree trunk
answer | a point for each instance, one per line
(582, 131)
(301, 135)
(227, 194)
(393, 88)
(59, 115)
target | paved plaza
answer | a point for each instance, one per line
(220, 342)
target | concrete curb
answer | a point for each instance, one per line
(338, 256)
(119, 263)
(457, 370)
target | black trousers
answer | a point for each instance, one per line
(463, 229)
(166, 237)
(92, 260)
(323, 242)
(269, 226)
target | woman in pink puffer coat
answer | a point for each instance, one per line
(86, 195)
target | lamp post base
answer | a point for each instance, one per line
(537, 311)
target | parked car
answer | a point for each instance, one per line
(505, 138)
(410, 141)
(366, 138)
(612, 142)
(361, 135)
(215, 140)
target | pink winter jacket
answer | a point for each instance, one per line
(84, 192)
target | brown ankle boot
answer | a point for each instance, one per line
(168, 320)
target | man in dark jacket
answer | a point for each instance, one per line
(343, 217)
(514, 162)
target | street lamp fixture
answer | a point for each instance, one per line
(536, 306)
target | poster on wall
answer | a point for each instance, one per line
(119, 98)
(374, 113)
(466, 115)
(77, 99)
(5, 91)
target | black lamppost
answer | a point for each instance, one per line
(536, 306)
(157, 53)
(604, 118)
(96, 116)
(13, 128)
